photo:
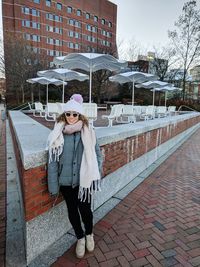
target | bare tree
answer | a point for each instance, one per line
(186, 38)
(22, 61)
(131, 49)
(163, 60)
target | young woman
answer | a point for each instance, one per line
(74, 168)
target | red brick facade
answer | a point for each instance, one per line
(117, 154)
(60, 27)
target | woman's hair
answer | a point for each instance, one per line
(81, 117)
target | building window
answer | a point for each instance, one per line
(95, 18)
(35, 38)
(35, 25)
(78, 12)
(77, 24)
(36, 1)
(76, 46)
(71, 34)
(58, 42)
(49, 28)
(69, 9)
(103, 21)
(70, 45)
(59, 6)
(94, 29)
(71, 22)
(25, 10)
(88, 27)
(35, 13)
(50, 16)
(26, 23)
(87, 15)
(109, 24)
(77, 35)
(58, 30)
(48, 3)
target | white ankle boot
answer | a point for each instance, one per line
(90, 242)
(80, 248)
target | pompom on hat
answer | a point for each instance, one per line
(74, 104)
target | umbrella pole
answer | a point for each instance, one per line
(133, 94)
(90, 93)
(165, 98)
(153, 97)
(63, 93)
(47, 94)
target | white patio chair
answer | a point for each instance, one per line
(129, 113)
(149, 113)
(90, 111)
(39, 108)
(161, 111)
(51, 112)
(138, 110)
(115, 114)
(171, 110)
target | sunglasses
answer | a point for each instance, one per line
(68, 114)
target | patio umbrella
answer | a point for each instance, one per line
(134, 77)
(64, 75)
(152, 85)
(46, 81)
(90, 62)
(166, 89)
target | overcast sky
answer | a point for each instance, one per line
(147, 21)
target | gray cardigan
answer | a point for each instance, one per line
(66, 171)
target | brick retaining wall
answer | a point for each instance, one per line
(116, 154)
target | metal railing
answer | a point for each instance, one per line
(179, 109)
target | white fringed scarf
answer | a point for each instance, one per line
(89, 170)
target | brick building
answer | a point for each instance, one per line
(63, 26)
(54, 28)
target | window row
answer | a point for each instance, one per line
(54, 41)
(32, 37)
(57, 42)
(30, 24)
(74, 22)
(54, 17)
(54, 29)
(91, 28)
(88, 16)
(78, 12)
(31, 11)
(54, 53)
(88, 27)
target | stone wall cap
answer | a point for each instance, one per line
(31, 136)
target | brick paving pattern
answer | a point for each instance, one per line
(2, 191)
(157, 224)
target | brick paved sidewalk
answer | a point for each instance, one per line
(157, 224)
(2, 189)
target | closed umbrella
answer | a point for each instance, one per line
(134, 77)
(46, 81)
(64, 75)
(90, 62)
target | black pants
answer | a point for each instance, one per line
(76, 208)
